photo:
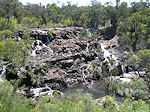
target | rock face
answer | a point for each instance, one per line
(72, 59)
(37, 92)
(124, 78)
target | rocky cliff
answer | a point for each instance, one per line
(64, 57)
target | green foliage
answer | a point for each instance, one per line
(53, 25)
(50, 35)
(26, 36)
(115, 87)
(144, 54)
(109, 104)
(31, 21)
(95, 36)
(3, 23)
(13, 51)
(5, 33)
(13, 25)
(133, 60)
(140, 59)
(134, 106)
(133, 30)
(94, 65)
(67, 22)
(140, 84)
(11, 101)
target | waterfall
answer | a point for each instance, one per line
(47, 40)
(108, 56)
(123, 69)
(83, 76)
(90, 31)
(37, 38)
(87, 48)
(3, 74)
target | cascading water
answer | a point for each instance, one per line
(123, 69)
(87, 48)
(3, 74)
(108, 56)
(90, 31)
(83, 76)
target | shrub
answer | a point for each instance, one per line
(115, 87)
(134, 106)
(3, 23)
(31, 21)
(13, 25)
(94, 65)
(26, 36)
(11, 101)
(95, 35)
(139, 84)
(53, 25)
(5, 33)
(114, 71)
(67, 22)
(13, 51)
(50, 35)
(109, 104)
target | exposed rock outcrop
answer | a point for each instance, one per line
(70, 59)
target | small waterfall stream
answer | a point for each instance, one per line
(108, 56)
(3, 74)
(83, 76)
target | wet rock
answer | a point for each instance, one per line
(141, 73)
(44, 91)
(40, 51)
(71, 60)
(125, 80)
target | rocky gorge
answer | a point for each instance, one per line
(65, 57)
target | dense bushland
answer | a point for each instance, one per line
(12, 101)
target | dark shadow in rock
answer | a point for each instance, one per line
(55, 82)
(11, 76)
(108, 33)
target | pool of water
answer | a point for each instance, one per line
(97, 90)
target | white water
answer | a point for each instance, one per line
(3, 74)
(83, 76)
(108, 56)
(87, 48)
(123, 69)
